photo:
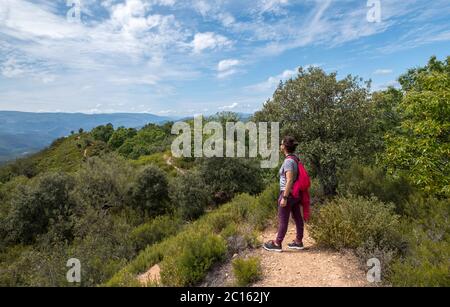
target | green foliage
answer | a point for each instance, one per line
(104, 182)
(372, 181)
(149, 140)
(150, 192)
(103, 133)
(38, 205)
(155, 231)
(421, 147)
(190, 195)
(349, 222)
(181, 248)
(428, 246)
(159, 160)
(247, 271)
(103, 245)
(330, 118)
(120, 136)
(194, 258)
(265, 208)
(228, 177)
(427, 267)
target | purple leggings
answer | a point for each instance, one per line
(294, 207)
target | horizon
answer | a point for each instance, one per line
(180, 58)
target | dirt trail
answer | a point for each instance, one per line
(312, 267)
(308, 268)
(169, 161)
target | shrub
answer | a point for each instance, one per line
(150, 191)
(426, 264)
(154, 231)
(427, 233)
(190, 195)
(103, 245)
(349, 222)
(247, 271)
(159, 160)
(196, 255)
(104, 182)
(229, 177)
(371, 181)
(103, 133)
(265, 207)
(120, 136)
(149, 140)
(38, 205)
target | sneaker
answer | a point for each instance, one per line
(272, 247)
(295, 245)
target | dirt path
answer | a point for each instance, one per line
(169, 162)
(307, 268)
(312, 267)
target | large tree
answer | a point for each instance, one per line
(421, 145)
(330, 118)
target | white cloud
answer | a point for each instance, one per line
(227, 68)
(273, 81)
(209, 40)
(230, 107)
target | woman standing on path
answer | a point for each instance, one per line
(287, 204)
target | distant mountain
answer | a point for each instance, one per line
(22, 133)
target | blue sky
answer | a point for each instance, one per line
(185, 57)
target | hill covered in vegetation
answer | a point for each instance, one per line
(115, 199)
(23, 133)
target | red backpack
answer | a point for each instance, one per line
(301, 186)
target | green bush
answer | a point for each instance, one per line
(247, 271)
(103, 133)
(149, 140)
(229, 177)
(427, 233)
(195, 257)
(189, 195)
(120, 136)
(150, 191)
(214, 225)
(103, 245)
(104, 182)
(39, 204)
(371, 181)
(158, 160)
(265, 207)
(349, 222)
(425, 265)
(155, 231)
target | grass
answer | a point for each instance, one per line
(186, 257)
(247, 271)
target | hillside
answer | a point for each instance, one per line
(23, 133)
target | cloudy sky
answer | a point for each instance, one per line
(184, 57)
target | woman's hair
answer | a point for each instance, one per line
(290, 144)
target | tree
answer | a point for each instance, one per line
(35, 207)
(330, 118)
(421, 145)
(190, 195)
(104, 182)
(228, 177)
(120, 136)
(149, 140)
(103, 133)
(150, 192)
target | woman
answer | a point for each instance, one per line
(288, 205)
